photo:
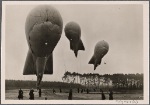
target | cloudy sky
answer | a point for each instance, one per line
(119, 25)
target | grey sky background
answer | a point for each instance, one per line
(119, 25)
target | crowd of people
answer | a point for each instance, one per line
(31, 93)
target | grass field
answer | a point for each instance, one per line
(13, 94)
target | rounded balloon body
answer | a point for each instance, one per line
(43, 30)
(73, 31)
(101, 49)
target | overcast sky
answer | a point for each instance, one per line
(119, 25)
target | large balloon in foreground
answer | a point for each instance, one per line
(73, 33)
(100, 51)
(43, 30)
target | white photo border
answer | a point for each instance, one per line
(145, 52)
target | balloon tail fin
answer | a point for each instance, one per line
(29, 68)
(76, 53)
(95, 65)
(81, 46)
(92, 61)
(49, 65)
(71, 46)
(100, 62)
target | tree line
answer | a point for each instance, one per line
(117, 81)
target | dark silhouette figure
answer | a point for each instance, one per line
(45, 98)
(81, 90)
(60, 90)
(78, 90)
(103, 95)
(54, 91)
(110, 95)
(87, 91)
(70, 95)
(31, 94)
(40, 92)
(20, 96)
(84, 90)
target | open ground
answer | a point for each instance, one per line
(13, 95)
